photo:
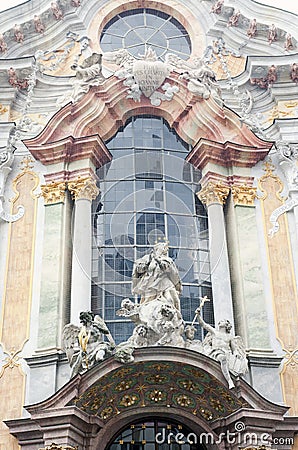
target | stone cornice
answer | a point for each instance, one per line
(106, 107)
(227, 154)
(70, 149)
(213, 193)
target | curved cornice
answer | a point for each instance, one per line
(105, 108)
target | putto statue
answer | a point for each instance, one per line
(85, 346)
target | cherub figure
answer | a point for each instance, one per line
(217, 7)
(39, 26)
(3, 45)
(18, 33)
(90, 68)
(252, 29)
(289, 42)
(190, 342)
(56, 10)
(234, 19)
(129, 310)
(272, 34)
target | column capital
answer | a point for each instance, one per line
(53, 192)
(83, 188)
(244, 195)
(213, 193)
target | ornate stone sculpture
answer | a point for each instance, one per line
(6, 161)
(217, 7)
(272, 74)
(234, 19)
(39, 26)
(155, 275)
(3, 45)
(85, 345)
(143, 76)
(220, 345)
(201, 78)
(252, 29)
(294, 73)
(18, 33)
(272, 34)
(56, 10)
(90, 68)
(289, 42)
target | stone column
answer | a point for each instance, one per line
(84, 190)
(213, 195)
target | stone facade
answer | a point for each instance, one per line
(233, 99)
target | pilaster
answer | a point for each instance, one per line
(55, 280)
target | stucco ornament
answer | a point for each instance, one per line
(201, 79)
(88, 73)
(85, 345)
(288, 156)
(143, 76)
(6, 162)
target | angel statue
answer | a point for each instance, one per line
(85, 346)
(220, 345)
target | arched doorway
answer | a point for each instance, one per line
(156, 434)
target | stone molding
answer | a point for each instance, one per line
(83, 189)
(59, 447)
(244, 195)
(213, 193)
(54, 192)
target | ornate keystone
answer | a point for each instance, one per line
(213, 193)
(244, 195)
(54, 192)
(83, 188)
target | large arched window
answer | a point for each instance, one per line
(138, 29)
(148, 194)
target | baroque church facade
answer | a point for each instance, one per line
(128, 125)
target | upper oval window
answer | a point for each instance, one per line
(138, 29)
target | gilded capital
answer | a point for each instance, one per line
(83, 188)
(54, 192)
(213, 193)
(244, 195)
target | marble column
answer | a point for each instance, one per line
(84, 190)
(213, 195)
